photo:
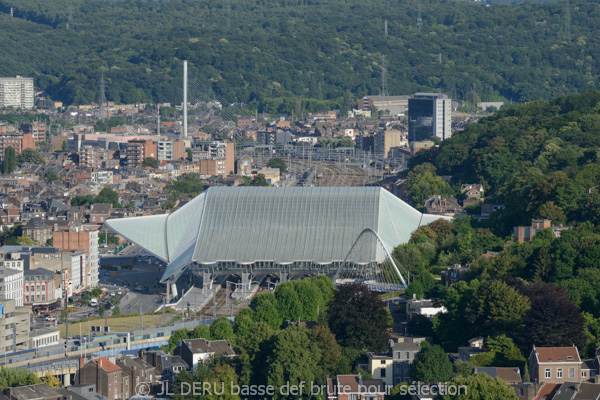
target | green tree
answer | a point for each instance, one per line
(178, 335)
(51, 177)
(359, 319)
(221, 329)
(150, 162)
(51, 381)
(14, 377)
(431, 364)
(201, 332)
(277, 162)
(9, 164)
(101, 310)
(252, 350)
(31, 156)
(82, 200)
(422, 183)
(264, 307)
(330, 350)
(294, 360)
(481, 386)
(288, 303)
(108, 195)
(63, 146)
(243, 323)
(259, 180)
(116, 311)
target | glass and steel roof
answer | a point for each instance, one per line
(281, 225)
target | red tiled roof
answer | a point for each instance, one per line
(547, 391)
(557, 354)
(106, 365)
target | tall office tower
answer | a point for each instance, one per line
(429, 114)
(16, 92)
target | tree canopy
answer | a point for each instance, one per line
(358, 318)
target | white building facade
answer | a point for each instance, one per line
(16, 92)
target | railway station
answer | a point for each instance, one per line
(318, 230)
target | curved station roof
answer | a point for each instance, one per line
(281, 225)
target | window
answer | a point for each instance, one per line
(547, 373)
(520, 392)
(571, 372)
(382, 372)
(559, 373)
(382, 361)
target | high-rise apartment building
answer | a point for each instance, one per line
(215, 158)
(138, 151)
(16, 92)
(429, 114)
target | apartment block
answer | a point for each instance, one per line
(429, 114)
(95, 157)
(16, 92)
(79, 240)
(16, 141)
(14, 327)
(214, 158)
(138, 151)
(36, 129)
(11, 285)
(386, 140)
(170, 150)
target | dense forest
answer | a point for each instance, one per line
(324, 53)
(541, 160)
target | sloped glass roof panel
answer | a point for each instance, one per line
(183, 225)
(147, 232)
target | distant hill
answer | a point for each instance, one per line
(540, 159)
(326, 53)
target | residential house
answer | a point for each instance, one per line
(475, 347)
(138, 371)
(509, 375)
(527, 233)
(473, 194)
(109, 379)
(100, 212)
(193, 351)
(393, 367)
(38, 229)
(556, 365)
(453, 274)
(167, 366)
(424, 307)
(353, 387)
(443, 206)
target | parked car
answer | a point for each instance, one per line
(50, 319)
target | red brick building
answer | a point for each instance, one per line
(138, 151)
(109, 379)
(16, 141)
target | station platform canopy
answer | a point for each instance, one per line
(247, 225)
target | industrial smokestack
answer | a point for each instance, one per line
(185, 101)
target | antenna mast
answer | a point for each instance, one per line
(185, 101)
(419, 19)
(102, 95)
(383, 76)
(385, 27)
(567, 31)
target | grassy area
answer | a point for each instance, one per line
(389, 295)
(125, 324)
